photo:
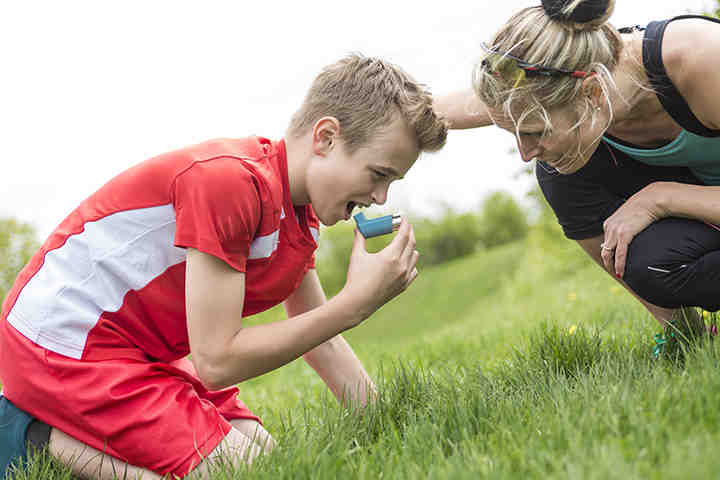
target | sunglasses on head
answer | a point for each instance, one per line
(503, 64)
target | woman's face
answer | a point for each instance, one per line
(565, 147)
(338, 182)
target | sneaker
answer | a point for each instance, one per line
(685, 329)
(13, 427)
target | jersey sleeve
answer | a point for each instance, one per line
(218, 209)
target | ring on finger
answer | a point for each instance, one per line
(609, 249)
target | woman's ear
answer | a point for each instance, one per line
(593, 90)
(325, 135)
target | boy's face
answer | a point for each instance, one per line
(338, 182)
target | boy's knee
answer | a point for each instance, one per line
(20, 434)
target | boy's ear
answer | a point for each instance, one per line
(325, 134)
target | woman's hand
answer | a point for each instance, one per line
(374, 279)
(631, 218)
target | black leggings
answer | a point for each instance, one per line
(675, 263)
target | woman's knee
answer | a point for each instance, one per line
(675, 262)
(653, 269)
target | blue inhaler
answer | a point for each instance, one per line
(372, 227)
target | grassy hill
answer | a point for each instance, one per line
(526, 361)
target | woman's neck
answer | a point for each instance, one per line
(638, 115)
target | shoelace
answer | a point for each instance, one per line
(660, 343)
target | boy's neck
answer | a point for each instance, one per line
(296, 149)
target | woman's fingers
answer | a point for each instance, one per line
(620, 256)
(615, 248)
(607, 253)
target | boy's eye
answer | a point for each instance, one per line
(378, 174)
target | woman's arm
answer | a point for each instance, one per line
(334, 360)
(463, 109)
(657, 200)
(690, 52)
(688, 201)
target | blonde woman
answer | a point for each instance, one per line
(167, 258)
(625, 128)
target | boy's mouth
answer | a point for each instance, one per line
(349, 209)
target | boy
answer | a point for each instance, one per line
(165, 260)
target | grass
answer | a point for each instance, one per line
(497, 366)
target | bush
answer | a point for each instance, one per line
(18, 242)
(454, 235)
(502, 220)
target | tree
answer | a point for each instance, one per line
(502, 220)
(18, 242)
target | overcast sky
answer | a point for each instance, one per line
(93, 87)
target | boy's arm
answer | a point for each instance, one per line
(225, 352)
(334, 360)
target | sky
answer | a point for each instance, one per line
(93, 87)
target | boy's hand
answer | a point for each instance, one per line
(374, 279)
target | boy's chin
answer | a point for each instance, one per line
(329, 220)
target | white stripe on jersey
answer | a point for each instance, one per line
(315, 233)
(91, 273)
(264, 246)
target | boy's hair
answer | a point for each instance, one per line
(365, 94)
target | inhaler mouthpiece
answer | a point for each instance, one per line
(377, 226)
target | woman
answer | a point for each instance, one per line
(625, 127)
(165, 260)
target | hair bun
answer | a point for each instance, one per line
(581, 12)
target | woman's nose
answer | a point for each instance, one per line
(528, 151)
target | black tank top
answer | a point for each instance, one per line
(668, 95)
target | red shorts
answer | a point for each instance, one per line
(153, 415)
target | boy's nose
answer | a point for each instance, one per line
(379, 196)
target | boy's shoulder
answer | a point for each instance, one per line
(257, 159)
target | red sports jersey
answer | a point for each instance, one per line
(93, 334)
(114, 270)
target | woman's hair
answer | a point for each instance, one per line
(561, 34)
(366, 94)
